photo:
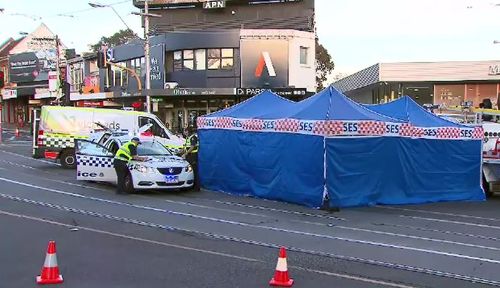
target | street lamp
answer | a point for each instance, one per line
(146, 16)
(95, 5)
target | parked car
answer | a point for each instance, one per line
(162, 170)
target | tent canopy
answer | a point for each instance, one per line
(256, 106)
(405, 109)
(328, 104)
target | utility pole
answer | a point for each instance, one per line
(58, 73)
(146, 16)
(146, 55)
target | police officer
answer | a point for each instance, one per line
(123, 156)
(191, 155)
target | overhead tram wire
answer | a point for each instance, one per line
(72, 13)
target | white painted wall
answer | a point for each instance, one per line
(300, 75)
(440, 71)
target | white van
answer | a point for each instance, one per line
(58, 127)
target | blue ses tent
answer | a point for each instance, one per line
(329, 147)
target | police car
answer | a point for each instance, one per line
(162, 170)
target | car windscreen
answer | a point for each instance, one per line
(152, 149)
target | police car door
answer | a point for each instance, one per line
(94, 162)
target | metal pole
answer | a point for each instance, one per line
(58, 73)
(148, 61)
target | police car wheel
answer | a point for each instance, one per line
(68, 159)
(129, 184)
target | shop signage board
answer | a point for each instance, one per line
(9, 94)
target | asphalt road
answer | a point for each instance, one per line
(206, 239)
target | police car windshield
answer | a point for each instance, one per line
(152, 149)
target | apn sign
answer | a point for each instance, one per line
(214, 4)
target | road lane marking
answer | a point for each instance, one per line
(438, 231)
(289, 231)
(451, 222)
(263, 244)
(306, 222)
(278, 210)
(129, 237)
(438, 213)
(137, 196)
(204, 251)
(414, 237)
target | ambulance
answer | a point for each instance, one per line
(57, 127)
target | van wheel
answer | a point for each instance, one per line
(129, 184)
(486, 188)
(68, 159)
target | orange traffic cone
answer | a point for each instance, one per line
(281, 277)
(17, 133)
(50, 270)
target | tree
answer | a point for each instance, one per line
(324, 65)
(119, 38)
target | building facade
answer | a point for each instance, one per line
(9, 108)
(444, 83)
(32, 64)
(200, 65)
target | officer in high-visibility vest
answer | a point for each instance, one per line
(191, 155)
(123, 156)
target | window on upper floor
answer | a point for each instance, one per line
(202, 59)
(187, 60)
(220, 59)
(178, 61)
(303, 55)
(76, 74)
(119, 76)
(138, 65)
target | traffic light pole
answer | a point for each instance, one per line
(58, 72)
(147, 56)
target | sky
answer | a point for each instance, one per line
(357, 33)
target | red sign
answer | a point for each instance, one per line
(90, 103)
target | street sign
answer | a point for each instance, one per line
(214, 4)
(9, 94)
(52, 81)
(110, 54)
(279, 91)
